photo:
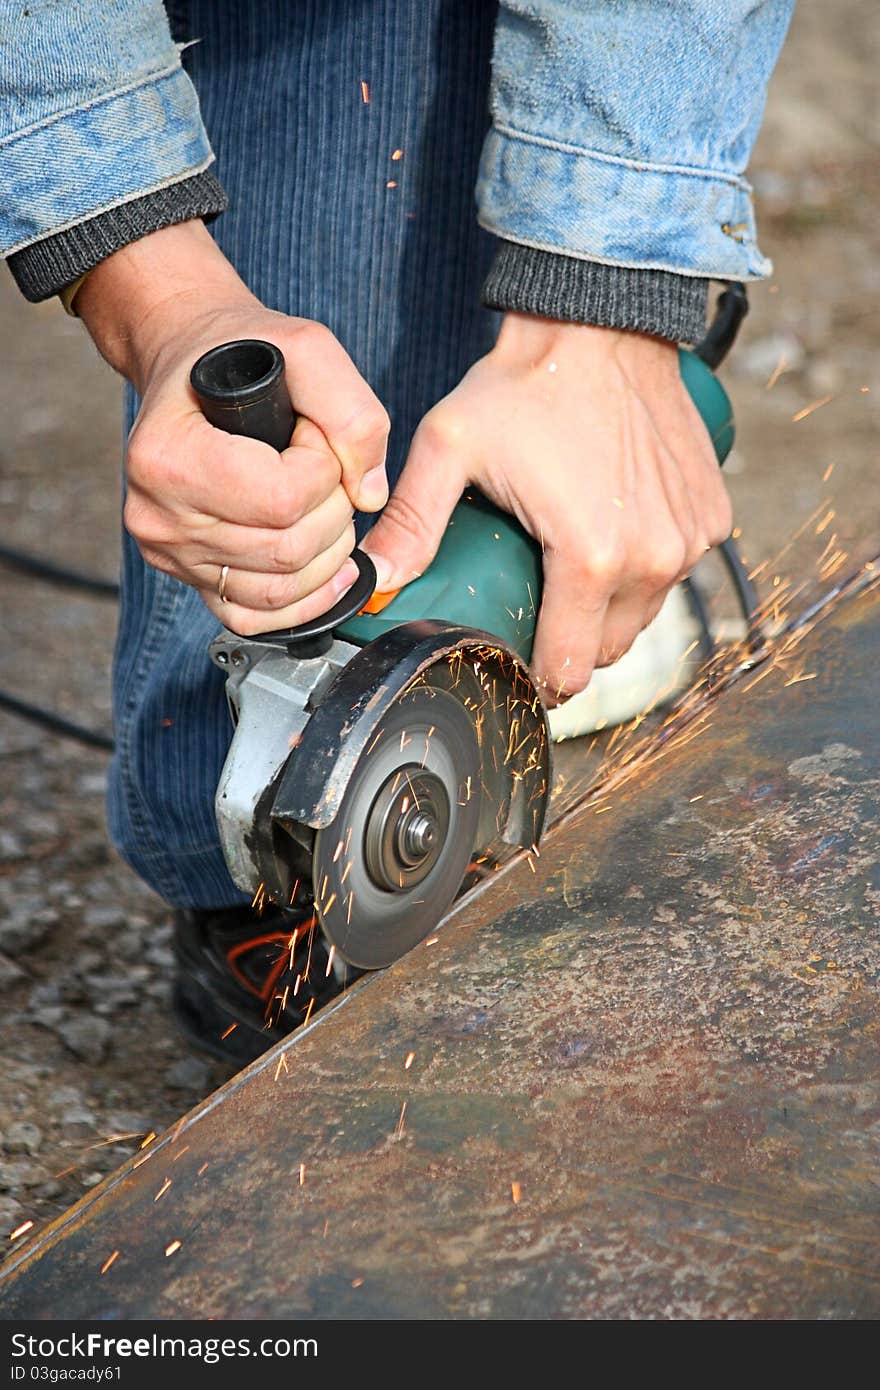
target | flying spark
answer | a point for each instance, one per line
(808, 409)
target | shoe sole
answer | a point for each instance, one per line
(203, 1024)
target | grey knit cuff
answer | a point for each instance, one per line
(44, 268)
(556, 286)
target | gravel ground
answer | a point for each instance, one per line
(91, 1063)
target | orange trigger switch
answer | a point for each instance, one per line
(378, 601)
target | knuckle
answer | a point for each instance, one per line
(132, 515)
(721, 521)
(367, 424)
(244, 622)
(276, 591)
(160, 468)
(314, 336)
(666, 559)
(148, 457)
(157, 559)
(141, 520)
(288, 553)
(442, 430)
(140, 455)
(605, 562)
(346, 541)
(281, 507)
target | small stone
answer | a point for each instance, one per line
(160, 955)
(77, 1124)
(26, 1073)
(50, 1016)
(41, 826)
(63, 1097)
(110, 992)
(19, 737)
(104, 916)
(160, 991)
(45, 996)
(22, 1137)
(28, 923)
(91, 1179)
(16, 1175)
(53, 1187)
(92, 784)
(11, 1214)
(129, 945)
(89, 960)
(85, 1036)
(10, 973)
(127, 1122)
(189, 1074)
(11, 847)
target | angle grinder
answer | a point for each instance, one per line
(391, 752)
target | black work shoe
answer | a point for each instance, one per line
(245, 979)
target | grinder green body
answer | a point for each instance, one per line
(487, 573)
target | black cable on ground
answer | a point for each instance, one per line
(745, 589)
(707, 641)
(46, 719)
(57, 574)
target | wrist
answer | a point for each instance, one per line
(580, 352)
(528, 338)
(136, 302)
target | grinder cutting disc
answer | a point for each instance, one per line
(391, 863)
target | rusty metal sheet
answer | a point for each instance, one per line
(635, 1077)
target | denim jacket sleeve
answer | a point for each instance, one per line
(621, 130)
(79, 80)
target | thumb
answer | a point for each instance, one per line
(404, 540)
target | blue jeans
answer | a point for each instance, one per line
(314, 230)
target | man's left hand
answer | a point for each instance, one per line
(590, 438)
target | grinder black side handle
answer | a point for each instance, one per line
(242, 389)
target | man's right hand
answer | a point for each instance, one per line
(199, 499)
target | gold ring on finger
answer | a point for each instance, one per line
(221, 583)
